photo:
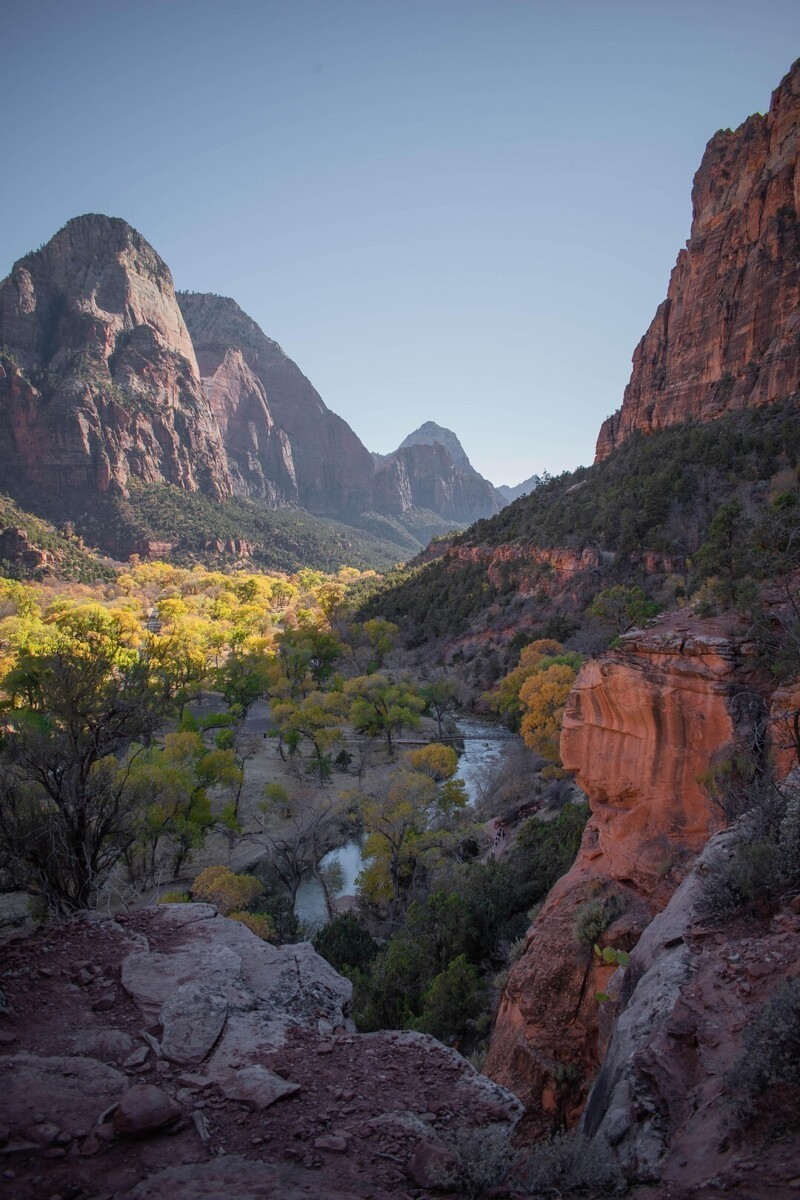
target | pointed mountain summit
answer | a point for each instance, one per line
(98, 377)
(430, 433)
(510, 493)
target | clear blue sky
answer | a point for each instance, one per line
(456, 210)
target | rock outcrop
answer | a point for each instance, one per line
(641, 725)
(98, 377)
(662, 1098)
(221, 1066)
(728, 334)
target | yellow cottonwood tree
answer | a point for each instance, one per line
(542, 698)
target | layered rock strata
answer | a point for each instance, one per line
(641, 727)
(98, 379)
(728, 334)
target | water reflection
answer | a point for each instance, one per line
(478, 752)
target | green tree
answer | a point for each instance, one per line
(438, 695)
(622, 607)
(381, 708)
(454, 1001)
(395, 822)
(726, 554)
(316, 717)
(67, 811)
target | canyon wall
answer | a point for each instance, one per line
(728, 334)
(641, 726)
(331, 470)
(98, 376)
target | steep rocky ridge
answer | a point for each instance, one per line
(190, 1058)
(99, 381)
(331, 470)
(514, 492)
(641, 725)
(728, 334)
(425, 476)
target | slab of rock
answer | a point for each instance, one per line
(192, 1020)
(73, 1091)
(144, 1110)
(256, 1086)
(232, 1176)
(109, 1045)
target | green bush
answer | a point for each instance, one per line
(345, 944)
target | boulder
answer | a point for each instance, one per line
(143, 1110)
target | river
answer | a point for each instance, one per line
(478, 752)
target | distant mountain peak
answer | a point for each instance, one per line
(511, 493)
(430, 433)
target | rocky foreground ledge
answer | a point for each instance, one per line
(171, 1052)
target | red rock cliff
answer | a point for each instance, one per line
(101, 382)
(641, 725)
(727, 335)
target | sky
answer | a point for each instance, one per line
(463, 211)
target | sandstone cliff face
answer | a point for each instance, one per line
(259, 454)
(101, 382)
(640, 726)
(318, 459)
(727, 334)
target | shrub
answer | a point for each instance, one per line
(258, 923)
(763, 865)
(591, 922)
(174, 898)
(229, 892)
(571, 1162)
(770, 1054)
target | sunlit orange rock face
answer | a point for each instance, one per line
(726, 337)
(641, 725)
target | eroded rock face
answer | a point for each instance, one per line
(101, 384)
(259, 454)
(314, 457)
(424, 475)
(641, 725)
(727, 335)
(661, 1099)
